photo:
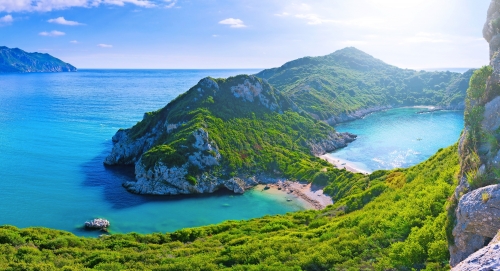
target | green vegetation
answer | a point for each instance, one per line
(478, 94)
(250, 137)
(17, 60)
(401, 225)
(349, 79)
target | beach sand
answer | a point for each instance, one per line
(340, 164)
(310, 196)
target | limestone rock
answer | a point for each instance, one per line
(252, 90)
(491, 121)
(97, 223)
(332, 142)
(485, 259)
(478, 214)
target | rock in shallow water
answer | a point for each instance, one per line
(97, 223)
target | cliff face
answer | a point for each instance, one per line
(478, 193)
(222, 133)
(17, 60)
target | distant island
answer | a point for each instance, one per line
(15, 60)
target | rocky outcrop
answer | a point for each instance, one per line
(171, 158)
(332, 142)
(485, 259)
(127, 150)
(478, 211)
(478, 220)
(97, 223)
(164, 180)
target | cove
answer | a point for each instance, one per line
(55, 131)
(398, 138)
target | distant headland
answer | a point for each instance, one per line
(15, 60)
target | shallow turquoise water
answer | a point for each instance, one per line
(399, 137)
(55, 131)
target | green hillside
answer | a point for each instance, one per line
(252, 129)
(390, 220)
(17, 60)
(349, 79)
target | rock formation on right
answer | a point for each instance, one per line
(477, 198)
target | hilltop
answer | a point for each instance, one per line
(17, 60)
(233, 133)
(349, 83)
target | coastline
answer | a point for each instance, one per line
(343, 164)
(308, 195)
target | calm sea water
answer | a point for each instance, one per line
(399, 137)
(55, 131)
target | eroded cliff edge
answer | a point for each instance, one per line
(223, 133)
(477, 198)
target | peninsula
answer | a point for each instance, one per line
(15, 60)
(242, 131)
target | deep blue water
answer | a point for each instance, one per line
(55, 131)
(399, 137)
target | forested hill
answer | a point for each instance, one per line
(17, 60)
(349, 79)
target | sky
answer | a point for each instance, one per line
(219, 34)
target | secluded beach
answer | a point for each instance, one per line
(343, 164)
(311, 196)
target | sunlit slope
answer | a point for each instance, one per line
(387, 220)
(349, 79)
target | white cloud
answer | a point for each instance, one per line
(234, 23)
(5, 20)
(102, 45)
(313, 19)
(215, 36)
(63, 21)
(53, 33)
(74, 42)
(49, 5)
(170, 3)
(282, 14)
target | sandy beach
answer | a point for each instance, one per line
(343, 164)
(310, 196)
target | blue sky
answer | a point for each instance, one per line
(245, 34)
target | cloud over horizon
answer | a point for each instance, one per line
(234, 23)
(102, 45)
(49, 5)
(61, 20)
(53, 33)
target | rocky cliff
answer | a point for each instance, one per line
(222, 133)
(17, 60)
(478, 194)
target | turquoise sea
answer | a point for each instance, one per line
(399, 138)
(56, 129)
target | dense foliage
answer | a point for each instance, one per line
(349, 79)
(17, 60)
(250, 137)
(388, 220)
